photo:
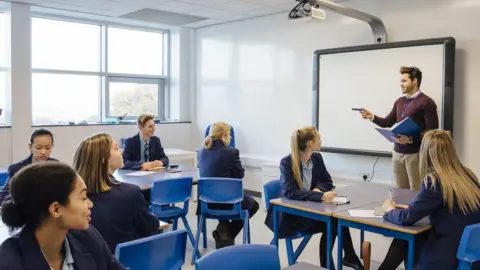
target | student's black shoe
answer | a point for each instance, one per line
(222, 242)
(355, 264)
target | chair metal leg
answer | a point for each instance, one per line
(245, 228)
(189, 231)
(302, 246)
(175, 224)
(290, 255)
(197, 239)
(204, 231)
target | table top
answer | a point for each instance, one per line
(145, 181)
(419, 227)
(358, 194)
(303, 266)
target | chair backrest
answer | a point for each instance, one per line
(3, 179)
(241, 257)
(220, 190)
(469, 248)
(164, 251)
(272, 190)
(232, 134)
(172, 190)
(122, 142)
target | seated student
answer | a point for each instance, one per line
(49, 200)
(144, 151)
(41, 145)
(217, 159)
(449, 196)
(120, 213)
(303, 176)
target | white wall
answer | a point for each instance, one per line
(257, 75)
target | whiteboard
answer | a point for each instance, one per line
(371, 79)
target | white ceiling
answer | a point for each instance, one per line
(214, 11)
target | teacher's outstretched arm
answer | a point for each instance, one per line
(388, 121)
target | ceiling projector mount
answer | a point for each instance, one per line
(316, 9)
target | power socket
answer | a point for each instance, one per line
(365, 176)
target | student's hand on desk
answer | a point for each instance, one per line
(402, 139)
(158, 163)
(388, 205)
(329, 196)
(317, 190)
(401, 206)
(148, 165)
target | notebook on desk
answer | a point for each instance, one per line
(407, 127)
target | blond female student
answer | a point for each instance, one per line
(120, 212)
(449, 196)
(304, 177)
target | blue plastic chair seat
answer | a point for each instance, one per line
(167, 211)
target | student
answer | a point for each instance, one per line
(304, 177)
(449, 196)
(41, 145)
(120, 213)
(421, 109)
(144, 151)
(49, 200)
(217, 159)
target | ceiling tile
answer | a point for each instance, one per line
(287, 6)
(178, 7)
(207, 3)
(265, 11)
(210, 13)
(204, 23)
(238, 6)
(236, 17)
(271, 2)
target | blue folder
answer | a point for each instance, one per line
(407, 127)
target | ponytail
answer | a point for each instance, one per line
(296, 159)
(208, 142)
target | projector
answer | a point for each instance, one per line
(305, 11)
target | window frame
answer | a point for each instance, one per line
(107, 77)
(5, 69)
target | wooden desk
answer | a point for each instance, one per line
(381, 226)
(303, 266)
(145, 181)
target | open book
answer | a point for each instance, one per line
(407, 127)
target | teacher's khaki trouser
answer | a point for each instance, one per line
(406, 170)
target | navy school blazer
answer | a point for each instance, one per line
(132, 152)
(12, 170)
(440, 250)
(122, 214)
(223, 161)
(321, 179)
(89, 251)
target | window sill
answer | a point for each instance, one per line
(5, 126)
(123, 123)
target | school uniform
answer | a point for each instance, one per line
(314, 176)
(11, 171)
(440, 247)
(122, 214)
(224, 161)
(83, 249)
(137, 151)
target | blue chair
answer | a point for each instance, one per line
(164, 251)
(272, 190)
(165, 194)
(469, 248)
(232, 134)
(220, 191)
(251, 257)
(3, 179)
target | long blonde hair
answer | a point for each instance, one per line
(439, 162)
(217, 132)
(300, 138)
(91, 163)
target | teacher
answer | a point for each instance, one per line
(423, 111)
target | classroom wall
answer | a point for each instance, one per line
(257, 75)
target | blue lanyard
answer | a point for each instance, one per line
(405, 107)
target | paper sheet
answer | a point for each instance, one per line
(139, 173)
(363, 213)
(340, 200)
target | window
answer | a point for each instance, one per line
(3, 97)
(3, 65)
(79, 78)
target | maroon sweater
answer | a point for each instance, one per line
(421, 109)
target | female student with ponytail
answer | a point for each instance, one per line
(304, 177)
(49, 200)
(217, 159)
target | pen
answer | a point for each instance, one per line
(391, 195)
(356, 109)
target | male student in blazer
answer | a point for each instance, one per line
(144, 151)
(423, 111)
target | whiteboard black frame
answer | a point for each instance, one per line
(449, 46)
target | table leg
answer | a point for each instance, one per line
(275, 225)
(339, 245)
(411, 252)
(329, 244)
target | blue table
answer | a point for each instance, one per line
(381, 226)
(358, 193)
(3, 176)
